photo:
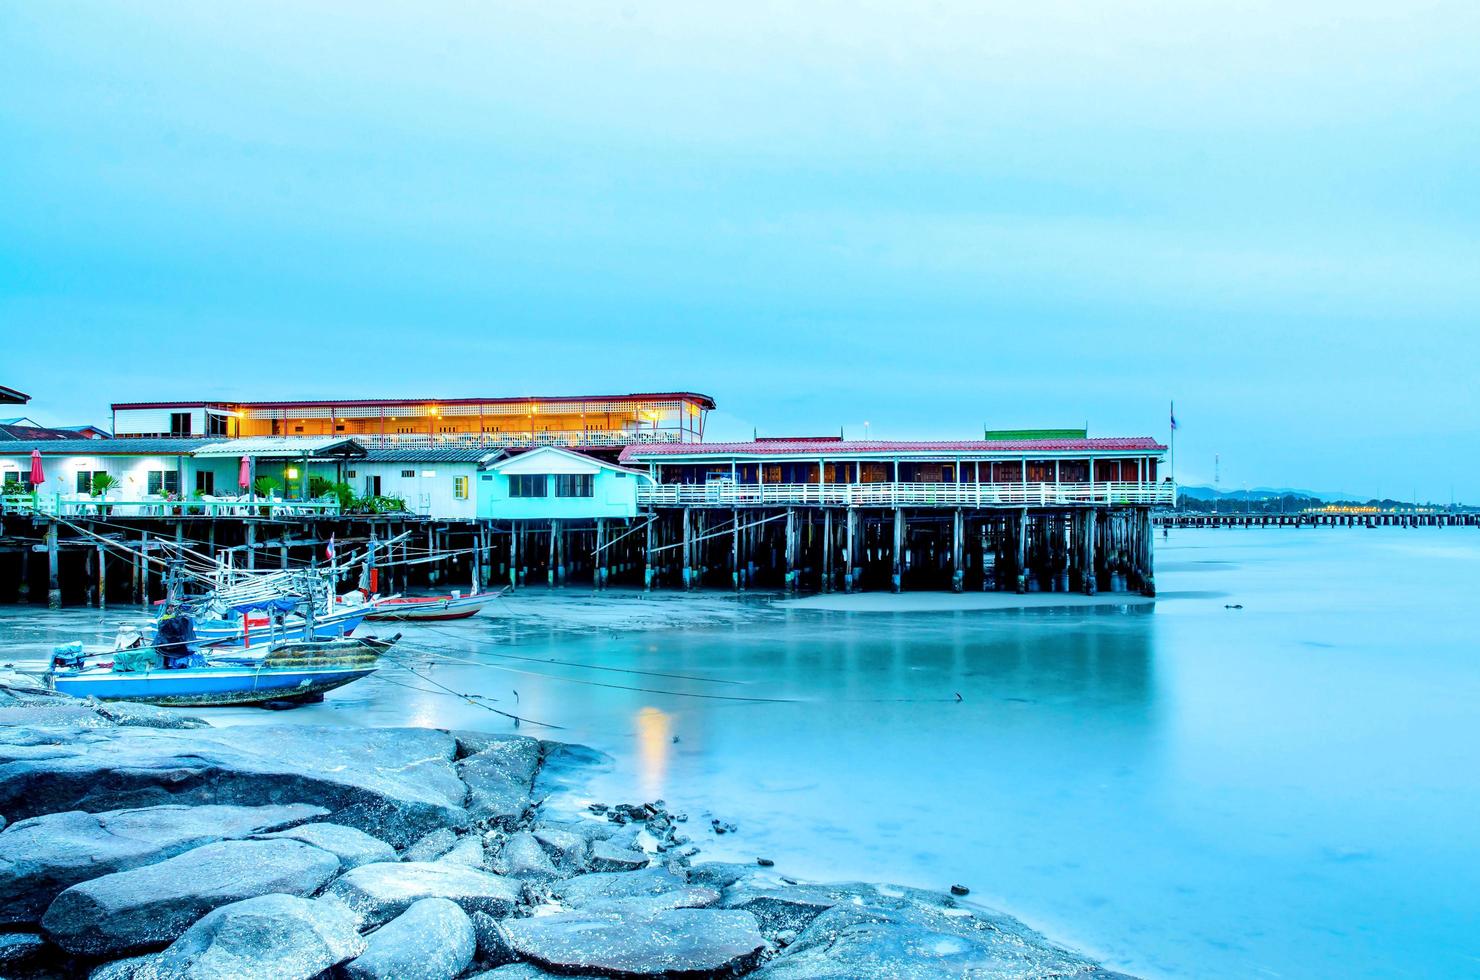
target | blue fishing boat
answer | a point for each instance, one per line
(301, 670)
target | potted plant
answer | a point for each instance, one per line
(197, 507)
(173, 499)
(267, 486)
(101, 484)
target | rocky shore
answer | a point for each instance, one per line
(141, 844)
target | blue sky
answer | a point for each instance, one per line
(930, 216)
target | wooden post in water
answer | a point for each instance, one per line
(850, 518)
(1088, 583)
(102, 577)
(1021, 565)
(827, 550)
(958, 574)
(896, 575)
(1148, 574)
(144, 569)
(790, 549)
(647, 553)
(53, 580)
(688, 545)
(251, 546)
(87, 576)
(25, 585)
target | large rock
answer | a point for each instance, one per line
(468, 852)
(584, 890)
(904, 936)
(278, 936)
(432, 846)
(352, 847)
(689, 943)
(525, 971)
(523, 857)
(31, 704)
(42, 856)
(499, 780)
(609, 856)
(153, 905)
(20, 952)
(567, 849)
(431, 940)
(396, 783)
(380, 892)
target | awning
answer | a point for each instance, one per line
(279, 447)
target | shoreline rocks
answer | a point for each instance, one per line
(294, 851)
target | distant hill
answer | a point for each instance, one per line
(1263, 493)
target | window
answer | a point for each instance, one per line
(179, 423)
(460, 488)
(349, 474)
(215, 424)
(372, 486)
(408, 474)
(529, 485)
(205, 482)
(164, 481)
(297, 428)
(573, 485)
(18, 483)
(85, 479)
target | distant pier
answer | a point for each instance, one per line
(1319, 519)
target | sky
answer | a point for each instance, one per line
(932, 217)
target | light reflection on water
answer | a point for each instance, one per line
(1290, 788)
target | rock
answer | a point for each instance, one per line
(607, 856)
(499, 780)
(133, 968)
(912, 938)
(41, 856)
(639, 906)
(145, 715)
(586, 889)
(719, 874)
(525, 971)
(523, 857)
(398, 783)
(778, 907)
(20, 952)
(960, 890)
(432, 846)
(472, 743)
(765, 862)
(278, 936)
(467, 852)
(352, 847)
(380, 892)
(566, 849)
(153, 905)
(431, 940)
(693, 943)
(492, 941)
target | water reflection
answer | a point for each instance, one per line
(654, 742)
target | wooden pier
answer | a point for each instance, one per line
(1166, 519)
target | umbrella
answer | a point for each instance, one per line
(38, 475)
(245, 477)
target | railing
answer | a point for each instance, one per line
(498, 440)
(82, 505)
(726, 494)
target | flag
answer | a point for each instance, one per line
(1174, 418)
(329, 551)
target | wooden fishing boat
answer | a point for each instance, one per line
(300, 670)
(430, 608)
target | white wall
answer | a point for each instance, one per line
(427, 491)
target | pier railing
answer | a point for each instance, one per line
(727, 494)
(82, 505)
(566, 438)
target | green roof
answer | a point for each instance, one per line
(1008, 435)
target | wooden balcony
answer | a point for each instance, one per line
(83, 506)
(723, 493)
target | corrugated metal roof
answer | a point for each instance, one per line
(10, 396)
(433, 454)
(704, 401)
(286, 447)
(107, 447)
(859, 447)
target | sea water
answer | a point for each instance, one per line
(1273, 770)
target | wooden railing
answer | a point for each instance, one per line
(726, 494)
(82, 505)
(497, 440)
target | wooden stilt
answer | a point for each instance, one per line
(850, 529)
(958, 574)
(102, 577)
(53, 578)
(827, 550)
(896, 575)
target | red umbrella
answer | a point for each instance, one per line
(38, 475)
(244, 479)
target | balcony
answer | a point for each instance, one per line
(521, 440)
(723, 493)
(84, 506)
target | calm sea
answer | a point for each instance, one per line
(1290, 788)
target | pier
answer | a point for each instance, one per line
(1170, 519)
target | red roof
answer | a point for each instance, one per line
(791, 447)
(704, 401)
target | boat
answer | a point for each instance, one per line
(293, 671)
(430, 608)
(258, 628)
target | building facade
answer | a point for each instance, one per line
(591, 422)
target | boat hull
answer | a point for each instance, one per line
(211, 686)
(431, 609)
